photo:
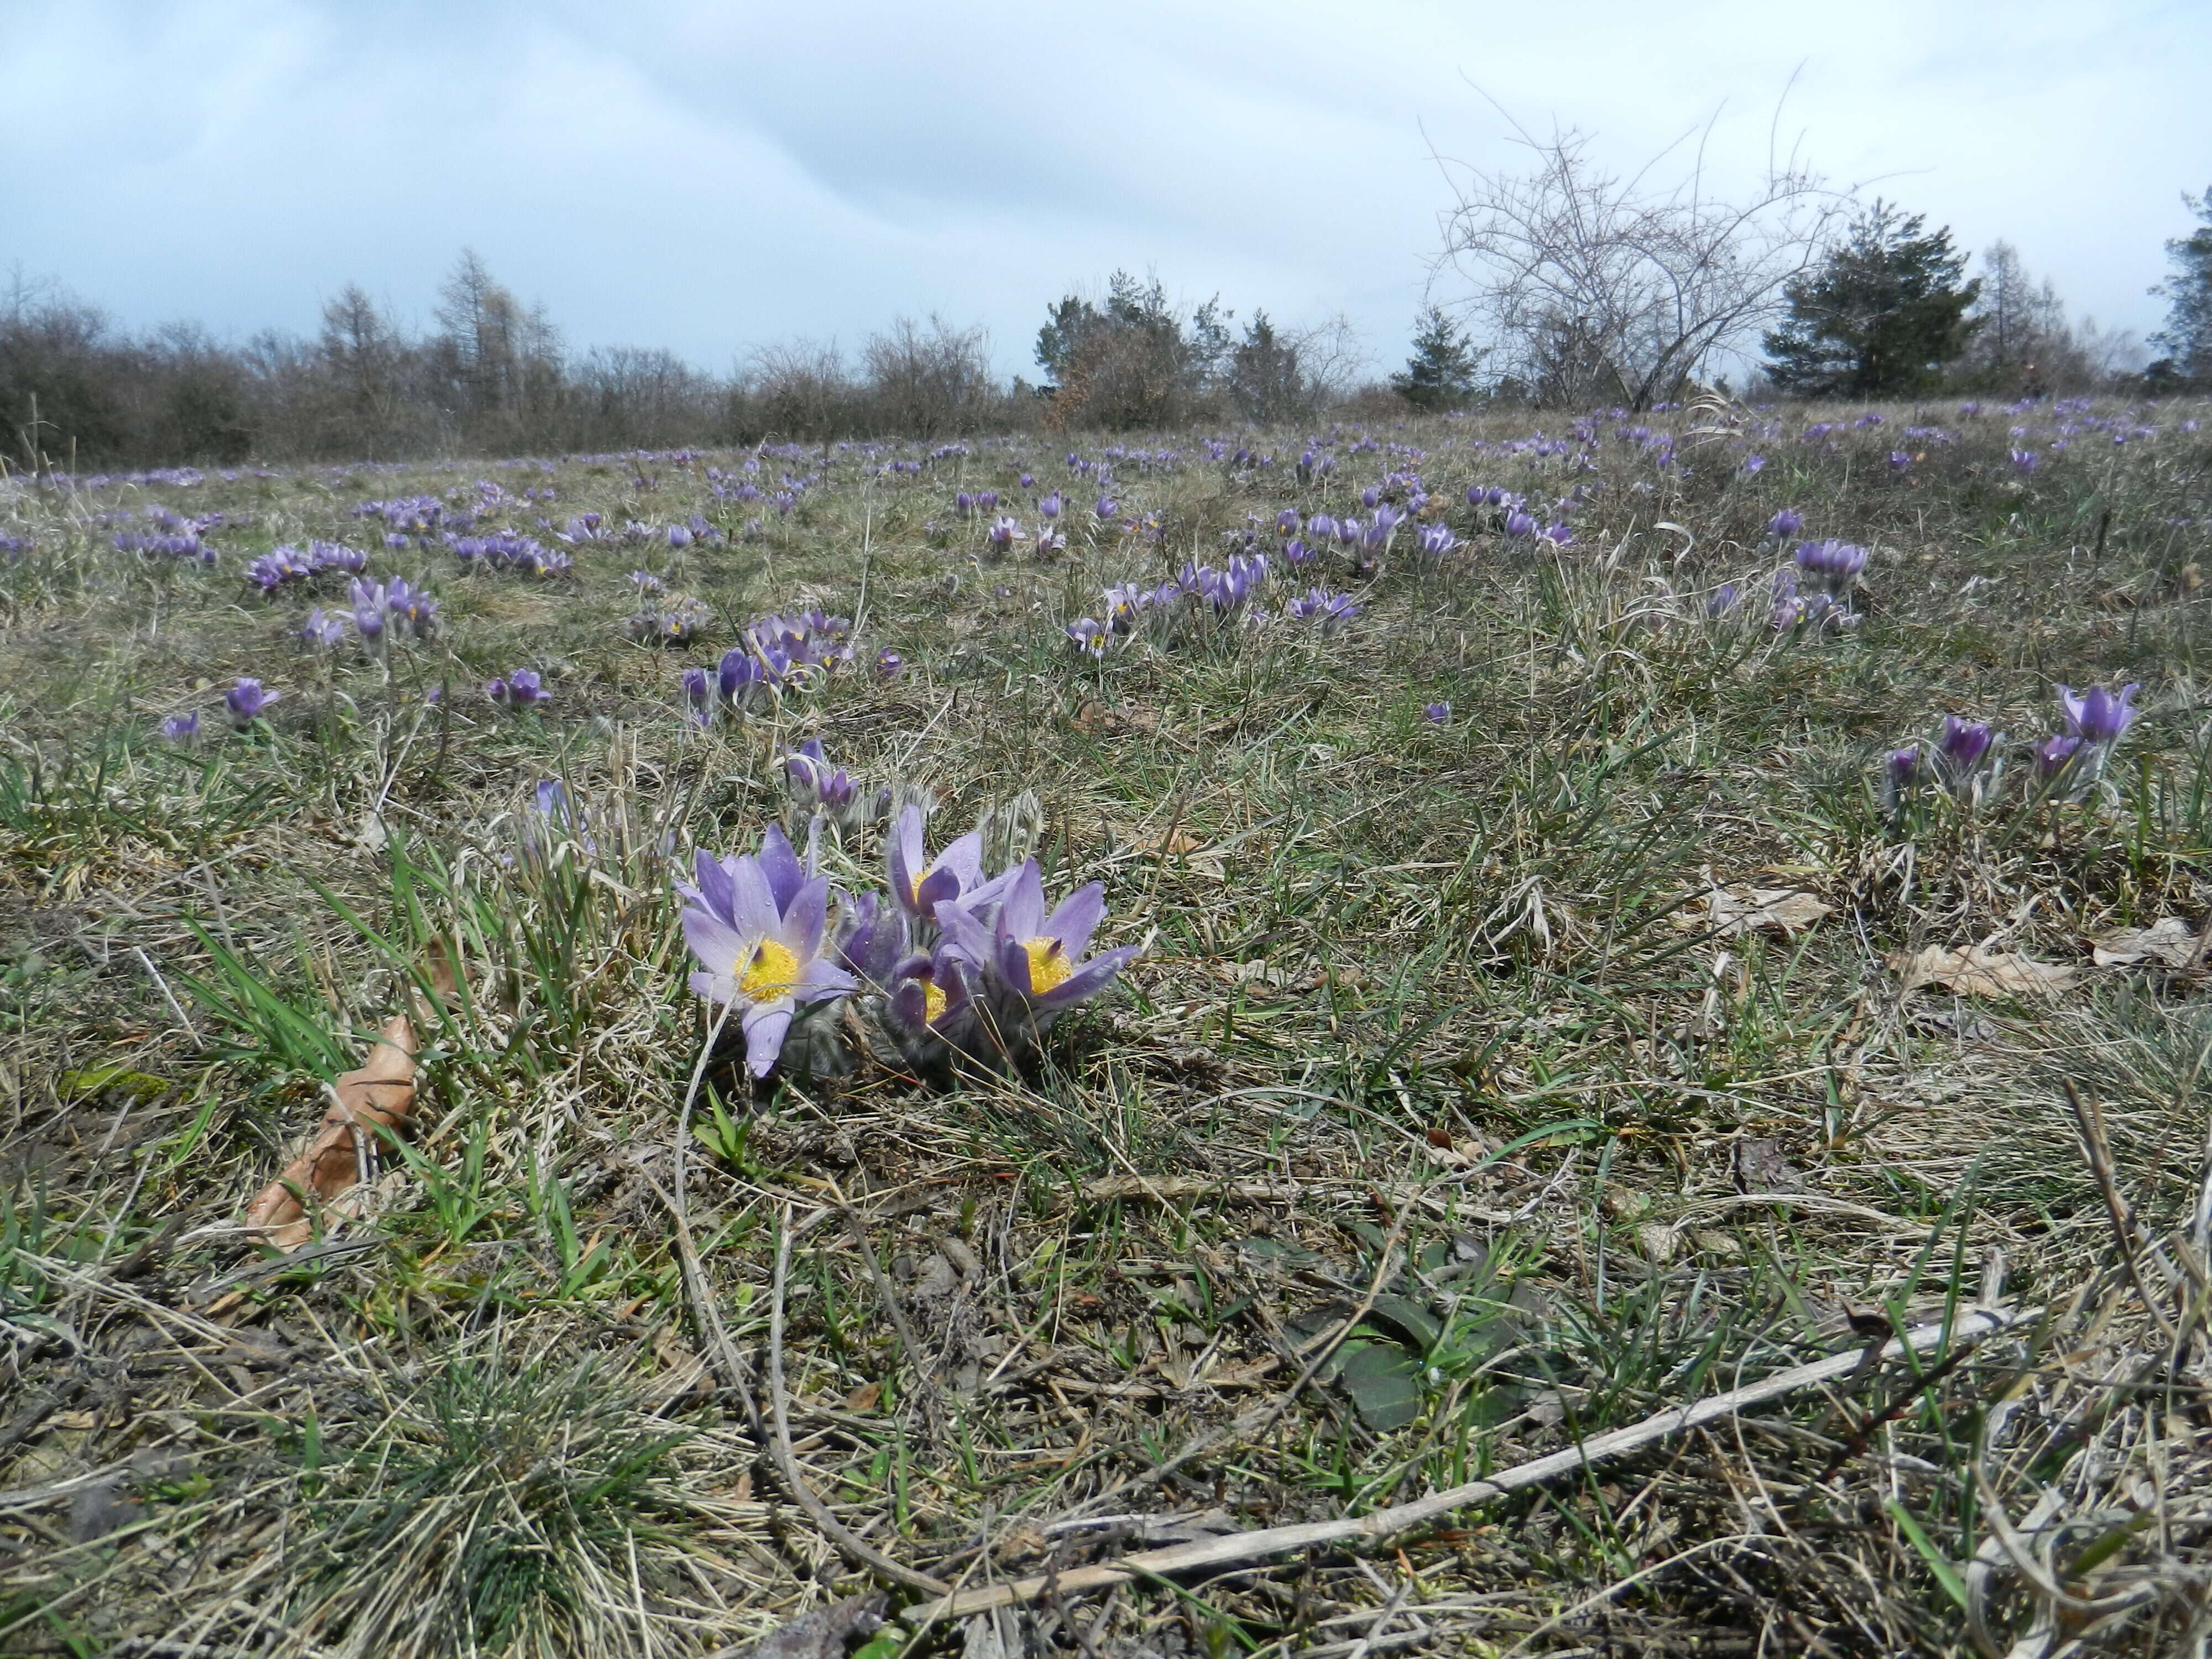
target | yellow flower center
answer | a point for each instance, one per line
(1047, 966)
(773, 972)
(933, 1003)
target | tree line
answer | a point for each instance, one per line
(495, 376)
(1565, 285)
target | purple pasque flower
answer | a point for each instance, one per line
(1785, 524)
(1089, 635)
(1966, 758)
(1050, 506)
(247, 700)
(756, 922)
(1835, 566)
(1963, 743)
(2097, 716)
(2054, 753)
(817, 785)
(1437, 540)
(1328, 612)
(699, 694)
(1900, 770)
(1105, 509)
(521, 689)
(1288, 523)
(1031, 965)
(182, 728)
(872, 939)
(889, 664)
(1321, 530)
(1437, 713)
(932, 1006)
(1002, 533)
(1754, 463)
(1788, 609)
(369, 619)
(322, 632)
(920, 884)
(1725, 599)
(1520, 525)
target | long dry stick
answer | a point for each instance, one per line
(1233, 1549)
(2098, 1150)
(832, 1527)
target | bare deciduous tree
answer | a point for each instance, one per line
(798, 389)
(929, 381)
(1592, 286)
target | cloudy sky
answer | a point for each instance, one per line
(711, 176)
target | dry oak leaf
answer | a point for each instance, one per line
(2169, 942)
(1979, 971)
(379, 1096)
(1210, 862)
(1095, 717)
(1777, 912)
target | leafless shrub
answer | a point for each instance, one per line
(929, 381)
(1594, 285)
(796, 389)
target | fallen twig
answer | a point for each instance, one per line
(1233, 1549)
(836, 1530)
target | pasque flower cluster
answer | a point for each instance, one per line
(949, 963)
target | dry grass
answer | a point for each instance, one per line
(1431, 1135)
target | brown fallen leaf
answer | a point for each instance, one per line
(1095, 717)
(1979, 971)
(1211, 862)
(1762, 1166)
(2169, 942)
(1733, 912)
(379, 1096)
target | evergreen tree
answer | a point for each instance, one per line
(1440, 374)
(2186, 339)
(1880, 316)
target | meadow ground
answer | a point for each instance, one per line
(1494, 1077)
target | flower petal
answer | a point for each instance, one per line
(938, 886)
(1089, 980)
(714, 987)
(822, 979)
(781, 865)
(1021, 913)
(765, 1025)
(1077, 918)
(714, 884)
(906, 855)
(753, 910)
(804, 917)
(967, 935)
(718, 946)
(964, 859)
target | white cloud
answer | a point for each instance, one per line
(709, 176)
